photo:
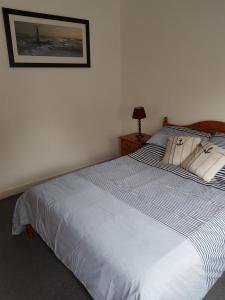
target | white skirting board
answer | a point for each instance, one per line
(22, 188)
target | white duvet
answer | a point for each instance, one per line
(114, 249)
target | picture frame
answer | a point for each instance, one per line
(44, 40)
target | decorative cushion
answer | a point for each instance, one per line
(160, 137)
(179, 148)
(205, 161)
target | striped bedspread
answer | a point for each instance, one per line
(188, 205)
(133, 228)
(202, 208)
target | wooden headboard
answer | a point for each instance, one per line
(207, 126)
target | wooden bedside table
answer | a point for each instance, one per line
(129, 143)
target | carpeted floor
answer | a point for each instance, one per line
(30, 271)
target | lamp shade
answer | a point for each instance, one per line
(139, 113)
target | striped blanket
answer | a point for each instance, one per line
(205, 226)
(172, 196)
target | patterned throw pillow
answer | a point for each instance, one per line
(206, 160)
(179, 148)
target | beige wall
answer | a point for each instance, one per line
(173, 60)
(173, 63)
(55, 120)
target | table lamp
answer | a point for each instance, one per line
(139, 114)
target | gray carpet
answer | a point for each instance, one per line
(29, 270)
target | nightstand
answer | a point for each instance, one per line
(129, 143)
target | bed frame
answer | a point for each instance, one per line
(30, 231)
(207, 126)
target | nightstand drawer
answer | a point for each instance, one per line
(128, 147)
(130, 143)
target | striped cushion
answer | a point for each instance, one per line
(205, 161)
(179, 148)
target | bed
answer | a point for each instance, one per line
(132, 228)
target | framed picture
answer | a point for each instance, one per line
(41, 40)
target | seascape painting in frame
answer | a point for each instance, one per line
(41, 40)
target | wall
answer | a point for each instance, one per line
(55, 120)
(173, 60)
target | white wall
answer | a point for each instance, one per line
(173, 60)
(55, 120)
(173, 63)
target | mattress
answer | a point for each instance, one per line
(132, 228)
